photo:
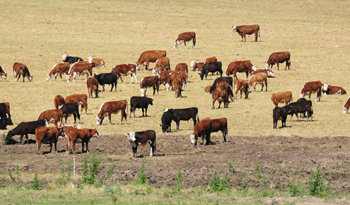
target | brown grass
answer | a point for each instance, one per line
(315, 32)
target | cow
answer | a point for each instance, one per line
(211, 60)
(202, 129)
(177, 86)
(4, 123)
(136, 138)
(240, 66)
(70, 109)
(182, 76)
(76, 135)
(346, 106)
(109, 108)
(21, 69)
(228, 80)
(149, 56)
(277, 58)
(301, 107)
(58, 69)
(177, 115)
(125, 69)
(58, 101)
(97, 61)
(140, 102)
(107, 78)
(207, 89)
(25, 128)
(3, 74)
(220, 96)
(280, 113)
(225, 86)
(5, 109)
(71, 59)
(54, 116)
(242, 86)
(181, 67)
(80, 68)
(268, 71)
(196, 66)
(244, 30)
(81, 99)
(312, 87)
(282, 97)
(92, 86)
(259, 78)
(220, 124)
(332, 90)
(164, 76)
(161, 65)
(48, 134)
(185, 37)
(149, 81)
(211, 67)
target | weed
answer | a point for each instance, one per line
(65, 174)
(217, 185)
(316, 184)
(178, 180)
(141, 179)
(90, 170)
(231, 168)
(283, 188)
(109, 173)
(258, 171)
(265, 183)
(35, 182)
(296, 190)
(11, 177)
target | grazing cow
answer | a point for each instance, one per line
(3, 74)
(177, 115)
(177, 86)
(181, 67)
(282, 97)
(97, 61)
(149, 56)
(185, 37)
(54, 116)
(71, 59)
(240, 66)
(21, 69)
(269, 72)
(149, 81)
(259, 78)
(196, 66)
(162, 64)
(211, 60)
(58, 69)
(280, 113)
(277, 58)
(80, 68)
(136, 138)
(301, 107)
(182, 76)
(25, 128)
(107, 78)
(70, 109)
(125, 69)
(164, 76)
(48, 134)
(225, 86)
(221, 96)
(80, 99)
(220, 124)
(228, 80)
(109, 108)
(92, 85)
(207, 89)
(83, 135)
(58, 101)
(346, 106)
(140, 102)
(244, 30)
(312, 87)
(242, 86)
(211, 67)
(202, 129)
(333, 90)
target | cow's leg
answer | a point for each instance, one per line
(38, 144)
(110, 118)
(207, 139)
(212, 107)
(67, 145)
(87, 146)
(146, 111)
(134, 149)
(266, 83)
(256, 36)
(20, 141)
(147, 64)
(154, 89)
(103, 86)
(73, 146)
(122, 79)
(219, 104)
(82, 146)
(112, 87)
(124, 115)
(78, 117)
(278, 66)
(142, 112)
(177, 125)
(55, 143)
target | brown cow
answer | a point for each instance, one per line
(109, 108)
(58, 101)
(227, 87)
(242, 86)
(97, 61)
(48, 134)
(202, 129)
(269, 72)
(80, 68)
(259, 78)
(182, 67)
(162, 64)
(92, 85)
(177, 85)
(282, 97)
(81, 99)
(196, 66)
(240, 66)
(8, 109)
(125, 69)
(58, 69)
(179, 75)
(3, 74)
(164, 76)
(333, 90)
(185, 37)
(277, 58)
(80, 135)
(149, 56)
(149, 81)
(207, 89)
(312, 87)
(211, 60)
(346, 106)
(221, 96)
(54, 116)
(220, 124)
(21, 69)
(247, 30)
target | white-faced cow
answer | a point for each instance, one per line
(80, 68)
(312, 87)
(282, 97)
(268, 71)
(71, 59)
(247, 30)
(109, 108)
(125, 69)
(25, 128)
(162, 64)
(177, 86)
(58, 69)
(202, 129)
(136, 138)
(149, 56)
(277, 58)
(245, 66)
(260, 78)
(176, 115)
(48, 134)
(196, 66)
(21, 69)
(180, 75)
(346, 106)
(149, 81)
(332, 90)
(97, 61)
(3, 74)
(185, 37)
(107, 78)
(80, 135)
(140, 102)
(181, 67)
(81, 99)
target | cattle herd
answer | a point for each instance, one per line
(224, 90)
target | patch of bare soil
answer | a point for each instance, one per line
(282, 160)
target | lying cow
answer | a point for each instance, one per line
(220, 96)
(25, 128)
(136, 138)
(277, 58)
(80, 135)
(280, 113)
(244, 30)
(301, 107)
(177, 115)
(242, 86)
(282, 97)
(70, 109)
(185, 37)
(97, 61)
(109, 108)
(140, 102)
(125, 69)
(48, 134)
(312, 87)
(107, 78)
(4, 123)
(260, 78)
(21, 69)
(332, 90)
(268, 71)
(212, 68)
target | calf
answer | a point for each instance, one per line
(332, 90)
(136, 138)
(92, 86)
(58, 69)
(225, 86)
(25, 128)
(228, 80)
(21, 69)
(196, 66)
(97, 61)
(140, 102)
(70, 109)
(242, 86)
(202, 129)
(219, 124)
(161, 65)
(109, 108)
(184, 37)
(54, 116)
(259, 78)
(58, 101)
(182, 76)
(211, 67)
(48, 134)
(181, 67)
(3, 74)
(177, 115)
(312, 87)
(244, 30)
(221, 96)
(107, 78)
(282, 97)
(177, 86)
(125, 69)
(280, 113)
(70, 59)
(277, 58)
(81, 99)
(149, 81)
(346, 106)
(301, 107)
(83, 135)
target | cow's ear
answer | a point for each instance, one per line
(152, 99)
(161, 125)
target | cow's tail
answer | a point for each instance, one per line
(197, 117)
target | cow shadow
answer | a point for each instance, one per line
(155, 155)
(53, 152)
(285, 127)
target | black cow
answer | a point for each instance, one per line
(280, 112)
(140, 102)
(71, 59)
(228, 80)
(4, 123)
(69, 109)
(212, 68)
(177, 115)
(3, 111)
(25, 128)
(301, 106)
(136, 138)
(107, 78)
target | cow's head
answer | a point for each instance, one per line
(138, 66)
(167, 86)
(193, 64)
(150, 101)
(132, 139)
(30, 78)
(4, 76)
(63, 132)
(254, 68)
(302, 95)
(176, 44)
(9, 136)
(345, 110)
(234, 28)
(193, 139)
(270, 73)
(155, 71)
(98, 120)
(96, 134)
(325, 87)
(143, 91)
(64, 56)
(201, 74)
(90, 59)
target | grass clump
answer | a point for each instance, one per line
(231, 168)
(178, 181)
(218, 185)
(142, 178)
(90, 168)
(316, 184)
(65, 174)
(296, 190)
(35, 183)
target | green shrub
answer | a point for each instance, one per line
(90, 170)
(316, 184)
(142, 178)
(65, 174)
(217, 185)
(296, 190)
(258, 171)
(108, 174)
(178, 180)
(35, 182)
